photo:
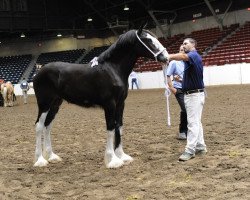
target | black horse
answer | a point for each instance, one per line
(105, 84)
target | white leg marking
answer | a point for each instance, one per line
(39, 159)
(47, 147)
(5, 96)
(120, 153)
(111, 160)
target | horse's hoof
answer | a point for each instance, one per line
(41, 162)
(54, 158)
(127, 159)
(124, 157)
(115, 163)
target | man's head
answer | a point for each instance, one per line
(181, 50)
(189, 44)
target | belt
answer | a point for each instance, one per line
(193, 91)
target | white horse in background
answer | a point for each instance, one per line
(31, 85)
(7, 91)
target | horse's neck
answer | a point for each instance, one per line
(124, 62)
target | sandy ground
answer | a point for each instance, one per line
(79, 137)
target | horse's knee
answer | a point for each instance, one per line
(110, 123)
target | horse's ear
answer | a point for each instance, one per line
(143, 25)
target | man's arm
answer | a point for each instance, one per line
(170, 85)
(178, 56)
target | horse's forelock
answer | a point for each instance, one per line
(150, 33)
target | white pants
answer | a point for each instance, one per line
(25, 95)
(194, 105)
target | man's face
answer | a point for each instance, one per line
(181, 49)
(188, 46)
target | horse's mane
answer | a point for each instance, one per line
(123, 40)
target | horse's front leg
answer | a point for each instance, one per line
(110, 158)
(118, 135)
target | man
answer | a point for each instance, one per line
(25, 87)
(194, 98)
(176, 69)
(133, 76)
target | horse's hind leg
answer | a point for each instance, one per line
(39, 159)
(111, 160)
(47, 150)
(10, 99)
(118, 136)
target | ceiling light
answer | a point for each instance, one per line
(59, 35)
(89, 19)
(22, 35)
(126, 7)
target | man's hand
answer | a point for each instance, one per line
(173, 90)
(177, 78)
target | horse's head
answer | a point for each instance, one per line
(154, 48)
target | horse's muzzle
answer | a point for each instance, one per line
(163, 57)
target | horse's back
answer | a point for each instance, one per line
(77, 83)
(64, 78)
(56, 72)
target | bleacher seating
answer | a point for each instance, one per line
(143, 64)
(13, 67)
(65, 56)
(233, 46)
(205, 39)
(70, 56)
(95, 52)
(171, 40)
(235, 49)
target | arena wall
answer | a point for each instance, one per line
(213, 75)
(57, 44)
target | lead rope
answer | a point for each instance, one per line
(167, 95)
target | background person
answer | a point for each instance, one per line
(134, 79)
(25, 87)
(176, 69)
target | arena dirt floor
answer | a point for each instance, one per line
(79, 138)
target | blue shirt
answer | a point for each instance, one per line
(24, 84)
(175, 68)
(193, 73)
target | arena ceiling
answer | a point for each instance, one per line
(45, 18)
